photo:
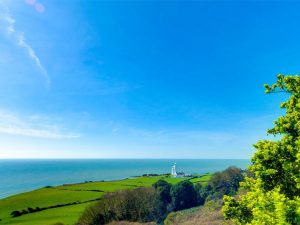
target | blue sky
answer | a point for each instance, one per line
(141, 79)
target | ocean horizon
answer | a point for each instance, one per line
(21, 175)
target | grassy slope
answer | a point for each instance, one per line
(203, 215)
(65, 215)
(203, 179)
(67, 194)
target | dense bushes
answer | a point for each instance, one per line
(17, 213)
(141, 204)
(225, 182)
(155, 203)
(163, 199)
(131, 205)
(220, 184)
(183, 195)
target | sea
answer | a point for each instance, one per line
(21, 175)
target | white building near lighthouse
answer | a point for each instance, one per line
(174, 172)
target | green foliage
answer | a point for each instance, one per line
(183, 195)
(213, 205)
(201, 193)
(220, 184)
(226, 182)
(162, 199)
(163, 189)
(143, 204)
(273, 196)
(65, 194)
(131, 205)
(16, 213)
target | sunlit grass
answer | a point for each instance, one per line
(64, 194)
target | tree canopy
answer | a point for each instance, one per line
(183, 195)
(273, 194)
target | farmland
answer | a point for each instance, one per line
(65, 203)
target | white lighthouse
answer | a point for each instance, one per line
(174, 172)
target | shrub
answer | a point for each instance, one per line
(15, 213)
(202, 193)
(183, 195)
(162, 199)
(132, 205)
(30, 210)
(226, 182)
(24, 211)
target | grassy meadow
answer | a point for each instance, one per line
(53, 200)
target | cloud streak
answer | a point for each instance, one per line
(15, 125)
(19, 38)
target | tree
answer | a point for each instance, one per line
(226, 182)
(201, 193)
(273, 194)
(163, 189)
(131, 204)
(205, 191)
(162, 199)
(183, 195)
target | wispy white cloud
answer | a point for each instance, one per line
(10, 123)
(8, 23)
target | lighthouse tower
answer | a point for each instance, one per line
(174, 172)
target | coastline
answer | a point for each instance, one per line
(20, 176)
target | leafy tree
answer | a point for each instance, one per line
(183, 195)
(273, 196)
(226, 182)
(132, 205)
(201, 193)
(162, 199)
(163, 189)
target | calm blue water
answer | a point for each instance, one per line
(24, 175)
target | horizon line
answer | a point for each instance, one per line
(121, 158)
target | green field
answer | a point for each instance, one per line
(82, 194)
(201, 179)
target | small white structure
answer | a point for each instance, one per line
(174, 172)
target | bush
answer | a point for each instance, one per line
(24, 212)
(15, 213)
(202, 193)
(155, 203)
(132, 205)
(30, 210)
(183, 195)
(226, 182)
(162, 199)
